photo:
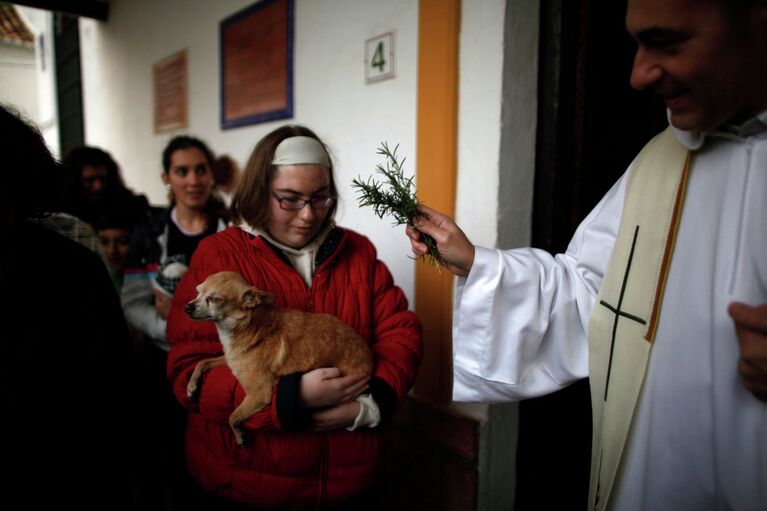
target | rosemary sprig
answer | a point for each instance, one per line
(394, 196)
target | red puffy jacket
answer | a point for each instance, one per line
(284, 465)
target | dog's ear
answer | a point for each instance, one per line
(252, 298)
(266, 297)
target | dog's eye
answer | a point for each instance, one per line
(213, 299)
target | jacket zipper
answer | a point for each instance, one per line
(323, 471)
(325, 443)
(310, 308)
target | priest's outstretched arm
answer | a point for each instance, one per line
(520, 320)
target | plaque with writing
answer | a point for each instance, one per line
(257, 64)
(170, 79)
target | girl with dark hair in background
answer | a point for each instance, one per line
(163, 247)
(93, 185)
(227, 174)
(160, 252)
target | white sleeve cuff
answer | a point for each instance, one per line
(369, 415)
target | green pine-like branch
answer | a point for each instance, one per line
(395, 196)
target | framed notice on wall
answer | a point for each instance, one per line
(257, 64)
(170, 78)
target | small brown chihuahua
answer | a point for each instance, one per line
(262, 342)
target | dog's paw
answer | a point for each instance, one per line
(191, 391)
(240, 438)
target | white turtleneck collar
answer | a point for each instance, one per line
(303, 259)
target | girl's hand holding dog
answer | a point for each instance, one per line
(325, 387)
(339, 416)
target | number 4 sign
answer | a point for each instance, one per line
(379, 57)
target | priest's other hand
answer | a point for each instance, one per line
(455, 248)
(751, 328)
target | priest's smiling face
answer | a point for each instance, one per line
(705, 58)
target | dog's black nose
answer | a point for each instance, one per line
(189, 308)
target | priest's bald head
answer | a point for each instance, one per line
(706, 58)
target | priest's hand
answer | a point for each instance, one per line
(455, 248)
(751, 328)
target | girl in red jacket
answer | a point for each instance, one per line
(318, 443)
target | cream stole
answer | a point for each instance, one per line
(625, 315)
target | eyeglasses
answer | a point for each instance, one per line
(295, 204)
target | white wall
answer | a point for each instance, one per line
(18, 78)
(479, 118)
(43, 85)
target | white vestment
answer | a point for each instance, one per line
(698, 438)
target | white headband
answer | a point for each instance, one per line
(301, 150)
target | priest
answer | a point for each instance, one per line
(661, 296)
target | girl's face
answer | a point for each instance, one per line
(289, 188)
(190, 178)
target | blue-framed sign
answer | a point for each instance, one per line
(256, 47)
